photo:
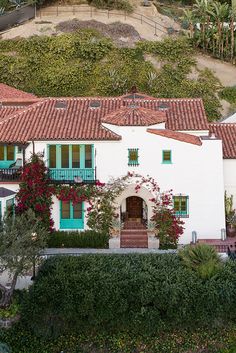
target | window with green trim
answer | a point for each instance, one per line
(71, 215)
(133, 157)
(7, 153)
(71, 156)
(181, 205)
(166, 156)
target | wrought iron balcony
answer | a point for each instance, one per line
(10, 174)
(73, 176)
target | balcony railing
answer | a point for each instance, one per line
(73, 176)
(10, 174)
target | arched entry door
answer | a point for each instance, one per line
(134, 208)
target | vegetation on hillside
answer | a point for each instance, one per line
(212, 28)
(86, 64)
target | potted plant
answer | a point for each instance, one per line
(230, 215)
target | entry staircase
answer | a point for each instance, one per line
(134, 235)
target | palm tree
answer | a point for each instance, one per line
(219, 13)
(201, 8)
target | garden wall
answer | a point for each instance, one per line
(16, 17)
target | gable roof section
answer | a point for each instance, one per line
(43, 121)
(134, 116)
(176, 135)
(11, 92)
(227, 133)
(78, 119)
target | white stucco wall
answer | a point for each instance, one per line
(196, 171)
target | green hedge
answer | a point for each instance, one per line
(131, 293)
(75, 239)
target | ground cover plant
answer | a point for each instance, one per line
(86, 64)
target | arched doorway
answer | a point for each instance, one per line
(134, 211)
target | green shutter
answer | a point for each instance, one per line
(166, 157)
(181, 205)
(133, 157)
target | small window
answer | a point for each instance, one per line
(19, 149)
(10, 153)
(181, 205)
(75, 156)
(166, 157)
(52, 156)
(133, 157)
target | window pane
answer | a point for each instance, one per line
(77, 213)
(1, 153)
(176, 203)
(184, 204)
(65, 209)
(52, 157)
(133, 156)
(75, 156)
(88, 156)
(65, 156)
(10, 153)
(166, 156)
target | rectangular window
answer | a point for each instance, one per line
(77, 211)
(181, 205)
(10, 153)
(88, 156)
(133, 156)
(166, 157)
(75, 156)
(2, 153)
(65, 156)
(52, 156)
(65, 209)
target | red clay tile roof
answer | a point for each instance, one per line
(43, 121)
(10, 106)
(80, 121)
(134, 116)
(11, 92)
(180, 136)
(227, 133)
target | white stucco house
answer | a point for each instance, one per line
(86, 139)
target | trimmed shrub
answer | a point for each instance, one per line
(132, 293)
(75, 239)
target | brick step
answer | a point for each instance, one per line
(133, 244)
(134, 233)
(144, 237)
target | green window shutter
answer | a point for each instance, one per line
(133, 157)
(181, 205)
(166, 157)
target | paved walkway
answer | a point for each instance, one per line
(79, 251)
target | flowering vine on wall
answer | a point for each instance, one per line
(36, 192)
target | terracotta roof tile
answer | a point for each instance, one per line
(176, 135)
(78, 120)
(227, 133)
(11, 92)
(135, 116)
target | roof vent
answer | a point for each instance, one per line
(61, 104)
(212, 135)
(95, 104)
(163, 106)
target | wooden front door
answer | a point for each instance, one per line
(134, 207)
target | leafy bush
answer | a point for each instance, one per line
(124, 5)
(129, 293)
(85, 239)
(229, 94)
(201, 258)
